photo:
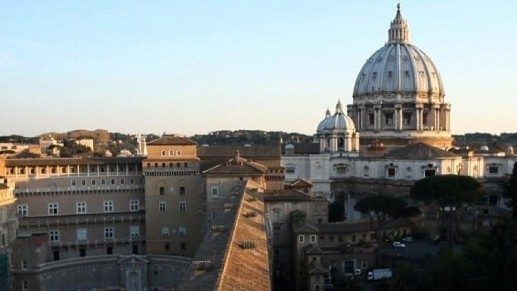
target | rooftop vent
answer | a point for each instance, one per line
(247, 245)
(250, 214)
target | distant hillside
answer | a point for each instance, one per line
(114, 141)
(100, 136)
(485, 139)
(254, 137)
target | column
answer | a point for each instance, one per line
(377, 115)
(333, 143)
(398, 117)
(419, 117)
(358, 119)
(447, 112)
(438, 119)
(348, 142)
(363, 116)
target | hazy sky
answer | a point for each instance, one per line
(197, 66)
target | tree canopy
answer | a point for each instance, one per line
(512, 190)
(447, 190)
(385, 207)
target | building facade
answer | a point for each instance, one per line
(174, 196)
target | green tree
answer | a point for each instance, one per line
(382, 209)
(512, 190)
(450, 192)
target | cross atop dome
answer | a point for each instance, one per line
(399, 29)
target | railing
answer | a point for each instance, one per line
(77, 219)
(24, 190)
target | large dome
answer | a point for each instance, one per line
(398, 96)
(399, 68)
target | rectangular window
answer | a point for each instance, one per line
(407, 118)
(183, 205)
(162, 206)
(391, 172)
(82, 234)
(108, 206)
(182, 190)
(493, 169)
(182, 231)
(80, 207)
(371, 118)
(54, 235)
(215, 191)
(25, 285)
(163, 153)
(165, 231)
(22, 210)
(388, 118)
(313, 239)
(167, 246)
(134, 204)
(162, 190)
(109, 232)
(134, 231)
(25, 265)
(301, 239)
(53, 208)
(73, 183)
(290, 169)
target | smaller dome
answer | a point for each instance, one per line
(509, 150)
(484, 148)
(289, 147)
(337, 122)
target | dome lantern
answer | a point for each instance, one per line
(399, 29)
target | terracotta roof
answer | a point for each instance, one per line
(248, 268)
(237, 166)
(290, 195)
(211, 251)
(301, 183)
(419, 151)
(228, 151)
(229, 265)
(25, 155)
(171, 140)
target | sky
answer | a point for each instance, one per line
(198, 66)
